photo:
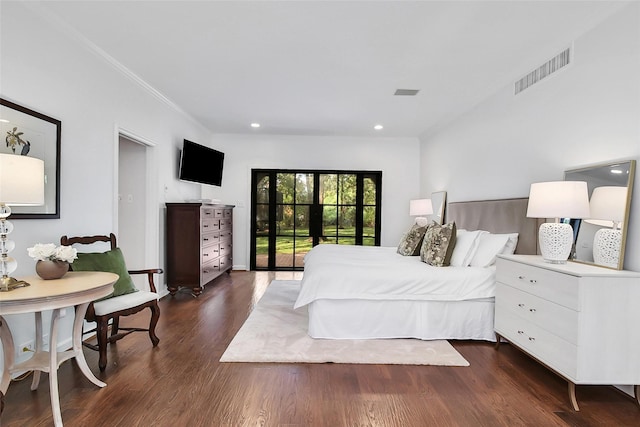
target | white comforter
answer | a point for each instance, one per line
(379, 273)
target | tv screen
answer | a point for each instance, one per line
(201, 164)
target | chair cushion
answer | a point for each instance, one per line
(111, 261)
(122, 302)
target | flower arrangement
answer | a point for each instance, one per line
(49, 252)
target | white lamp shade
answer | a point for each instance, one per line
(558, 199)
(420, 207)
(21, 180)
(608, 203)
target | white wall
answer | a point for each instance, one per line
(584, 114)
(45, 69)
(397, 158)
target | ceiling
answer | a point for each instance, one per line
(328, 67)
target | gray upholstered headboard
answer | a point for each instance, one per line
(497, 216)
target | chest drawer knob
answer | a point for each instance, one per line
(533, 282)
(521, 277)
(533, 310)
(521, 305)
(521, 332)
(532, 339)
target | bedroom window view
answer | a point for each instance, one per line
(296, 210)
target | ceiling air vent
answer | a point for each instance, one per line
(546, 69)
(406, 92)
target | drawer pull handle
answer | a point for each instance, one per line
(205, 226)
(521, 277)
(533, 282)
(521, 332)
(533, 310)
(532, 339)
(520, 305)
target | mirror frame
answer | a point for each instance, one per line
(439, 202)
(625, 223)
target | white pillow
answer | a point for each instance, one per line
(510, 247)
(489, 246)
(465, 248)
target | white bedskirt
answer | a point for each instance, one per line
(427, 320)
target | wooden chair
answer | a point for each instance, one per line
(103, 311)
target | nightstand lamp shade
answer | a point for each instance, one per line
(419, 208)
(21, 184)
(608, 206)
(557, 199)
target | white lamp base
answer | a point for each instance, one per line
(556, 240)
(606, 247)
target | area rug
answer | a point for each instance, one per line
(275, 332)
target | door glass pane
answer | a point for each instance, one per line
(368, 241)
(328, 189)
(303, 246)
(347, 241)
(262, 252)
(347, 189)
(285, 220)
(262, 219)
(369, 190)
(304, 188)
(329, 221)
(285, 183)
(302, 221)
(347, 220)
(262, 189)
(284, 251)
(369, 221)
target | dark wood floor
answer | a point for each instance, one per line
(181, 382)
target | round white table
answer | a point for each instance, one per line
(75, 289)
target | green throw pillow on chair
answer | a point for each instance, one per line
(111, 261)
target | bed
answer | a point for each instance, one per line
(357, 292)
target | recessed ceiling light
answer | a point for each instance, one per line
(255, 125)
(378, 127)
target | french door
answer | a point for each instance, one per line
(294, 210)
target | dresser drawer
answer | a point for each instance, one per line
(554, 318)
(210, 271)
(553, 351)
(210, 252)
(228, 213)
(208, 239)
(206, 213)
(210, 225)
(550, 285)
(225, 248)
(226, 224)
(225, 262)
(225, 235)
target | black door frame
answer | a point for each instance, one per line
(315, 209)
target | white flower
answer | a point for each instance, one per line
(66, 253)
(49, 252)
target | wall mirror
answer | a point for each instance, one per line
(601, 239)
(439, 201)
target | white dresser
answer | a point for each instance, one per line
(581, 321)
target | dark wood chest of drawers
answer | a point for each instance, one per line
(199, 244)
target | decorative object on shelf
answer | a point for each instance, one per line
(608, 206)
(21, 184)
(33, 134)
(52, 262)
(419, 208)
(557, 199)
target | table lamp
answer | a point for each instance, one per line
(419, 208)
(21, 184)
(608, 206)
(557, 199)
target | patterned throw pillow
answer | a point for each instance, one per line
(412, 240)
(438, 244)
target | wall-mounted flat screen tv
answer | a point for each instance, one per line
(201, 164)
